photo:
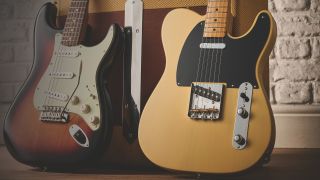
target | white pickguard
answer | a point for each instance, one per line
(83, 63)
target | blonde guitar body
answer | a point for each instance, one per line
(171, 139)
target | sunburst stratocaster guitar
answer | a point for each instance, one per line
(61, 116)
(210, 111)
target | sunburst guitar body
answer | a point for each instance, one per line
(210, 111)
(61, 116)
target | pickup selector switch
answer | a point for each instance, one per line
(75, 100)
(245, 97)
(243, 113)
(85, 108)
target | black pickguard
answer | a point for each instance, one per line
(237, 63)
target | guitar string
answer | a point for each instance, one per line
(211, 53)
(210, 57)
(204, 39)
(48, 101)
(206, 58)
(59, 49)
(58, 57)
(220, 61)
(79, 19)
(222, 41)
(200, 60)
(75, 34)
(214, 55)
(68, 43)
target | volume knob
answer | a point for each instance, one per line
(95, 120)
(243, 113)
(239, 139)
(85, 108)
(75, 100)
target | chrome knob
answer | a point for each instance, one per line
(75, 100)
(243, 113)
(85, 108)
(239, 139)
(95, 120)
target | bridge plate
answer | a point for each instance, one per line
(205, 101)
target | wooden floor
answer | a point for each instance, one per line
(285, 164)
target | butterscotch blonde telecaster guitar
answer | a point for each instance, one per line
(210, 111)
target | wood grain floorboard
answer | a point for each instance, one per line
(285, 164)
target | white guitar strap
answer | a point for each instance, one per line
(134, 19)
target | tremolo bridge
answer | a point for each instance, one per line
(54, 114)
(205, 101)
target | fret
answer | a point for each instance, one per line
(217, 9)
(218, 4)
(214, 34)
(217, 15)
(216, 18)
(215, 25)
(215, 30)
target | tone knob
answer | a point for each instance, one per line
(245, 97)
(85, 108)
(239, 139)
(243, 113)
(95, 120)
(75, 100)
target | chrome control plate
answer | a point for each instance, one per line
(205, 101)
(240, 132)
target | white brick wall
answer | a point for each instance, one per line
(294, 64)
(16, 53)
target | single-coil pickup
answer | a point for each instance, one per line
(212, 45)
(68, 53)
(207, 93)
(57, 96)
(62, 75)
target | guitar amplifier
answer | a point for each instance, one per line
(104, 13)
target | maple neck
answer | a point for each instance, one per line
(74, 22)
(216, 18)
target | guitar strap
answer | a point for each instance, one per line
(131, 105)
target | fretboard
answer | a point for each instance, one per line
(74, 22)
(216, 18)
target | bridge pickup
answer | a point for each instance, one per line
(57, 96)
(62, 75)
(205, 101)
(54, 114)
(212, 45)
(207, 93)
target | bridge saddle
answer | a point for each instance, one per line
(205, 101)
